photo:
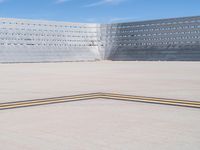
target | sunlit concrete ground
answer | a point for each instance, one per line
(43, 80)
(160, 79)
(100, 125)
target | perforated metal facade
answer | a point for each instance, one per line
(48, 41)
(166, 39)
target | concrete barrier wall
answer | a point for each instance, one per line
(10, 55)
(156, 55)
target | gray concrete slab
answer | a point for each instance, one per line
(179, 80)
(100, 125)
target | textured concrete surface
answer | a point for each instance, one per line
(158, 79)
(100, 125)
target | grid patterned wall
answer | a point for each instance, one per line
(48, 41)
(166, 39)
(41, 41)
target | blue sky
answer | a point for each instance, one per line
(102, 11)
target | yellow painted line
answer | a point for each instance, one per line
(51, 99)
(114, 96)
(152, 101)
(151, 98)
(44, 102)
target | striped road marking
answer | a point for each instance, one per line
(28, 103)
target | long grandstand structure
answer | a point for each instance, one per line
(24, 40)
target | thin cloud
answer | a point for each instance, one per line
(61, 1)
(121, 19)
(104, 2)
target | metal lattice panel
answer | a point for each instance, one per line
(48, 41)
